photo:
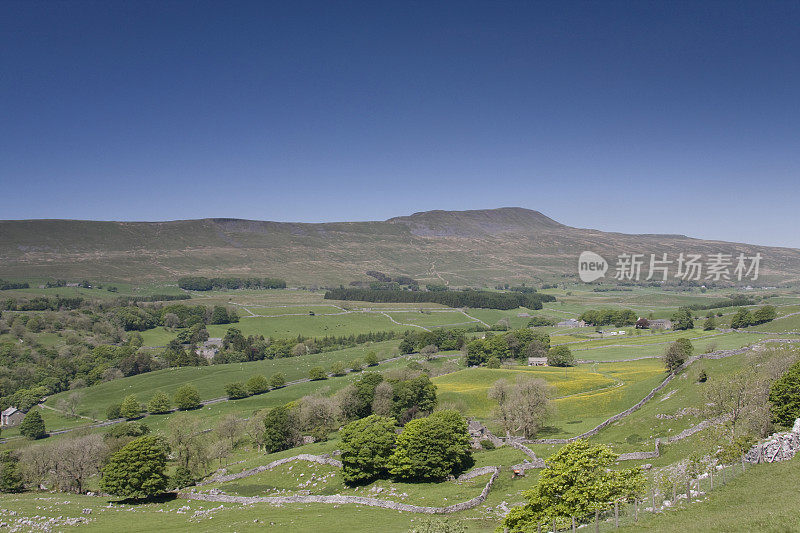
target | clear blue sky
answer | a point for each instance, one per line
(678, 117)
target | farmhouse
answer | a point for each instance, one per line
(537, 361)
(660, 323)
(11, 417)
(210, 348)
(572, 323)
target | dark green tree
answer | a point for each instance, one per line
(366, 447)
(278, 430)
(784, 395)
(682, 319)
(10, 479)
(432, 448)
(138, 470)
(32, 426)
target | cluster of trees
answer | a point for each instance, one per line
(734, 300)
(399, 280)
(136, 318)
(463, 298)
(428, 449)
(258, 384)
(578, 483)
(185, 398)
(199, 283)
(443, 339)
(682, 319)
(42, 303)
(784, 397)
(607, 317)
(744, 317)
(7, 285)
(518, 344)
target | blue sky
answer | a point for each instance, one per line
(670, 117)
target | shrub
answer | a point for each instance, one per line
(236, 390)
(493, 362)
(187, 397)
(130, 407)
(356, 365)
(257, 384)
(371, 359)
(317, 373)
(277, 381)
(159, 404)
(337, 368)
(113, 411)
(486, 444)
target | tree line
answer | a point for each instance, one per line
(463, 298)
(607, 317)
(199, 283)
(8, 285)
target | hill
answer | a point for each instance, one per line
(482, 247)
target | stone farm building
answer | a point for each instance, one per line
(210, 348)
(537, 361)
(572, 323)
(11, 417)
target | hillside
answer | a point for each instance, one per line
(482, 247)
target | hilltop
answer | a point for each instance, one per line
(480, 247)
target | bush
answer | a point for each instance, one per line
(486, 444)
(257, 384)
(371, 359)
(337, 368)
(113, 411)
(702, 377)
(187, 397)
(493, 362)
(366, 447)
(159, 404)
(236, 390)
(356, 365)
(277, 381)
(432, 448)
(317, 373)
(130, 408)
(138, 470)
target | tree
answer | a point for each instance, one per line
(138, 470)
(432, 448)
(741, 319)
(279, 433)
(277, 381)
(382, 399)
(763, 314)
(10, 478)
(337, 368)
(675, 355)
(236, 390)
(709, 324)
(113, 411)
(784, 395)
(159, 404)
(317, 373)
(682, 319)
(229, 428)
(187, 397)
(32, 426)
(130, 408)
(528, 405)
(318, 415)
(356, 365)
(560, 356)
(74, 460)
(429, 351)
(371, 359)
(257, 384)
(493, 362)
(189, 443)
(366, 447)
(577, 482)
(412, 397)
